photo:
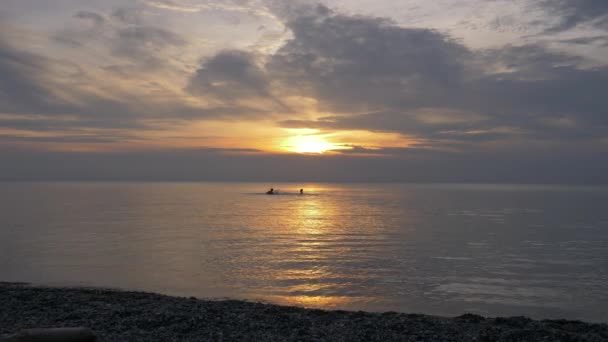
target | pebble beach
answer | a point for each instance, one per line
(115, 315)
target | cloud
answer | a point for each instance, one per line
(149, 35)
(81, 35)
(128, 15)
(47, 122)
(142, 44)
(230, 75)
(235, 77)
(125, 37)
(173, 5)
(411, 151)
(374, 75)
(96, 18)
(251, 7)
(572, 13)
(599, 40)
(40, 94)
(360, 63)
(30, 84)
(79, 139)
(366, 64)
(22, 75)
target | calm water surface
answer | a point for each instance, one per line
(437, 249)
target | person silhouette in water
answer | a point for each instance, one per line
(270, 192)
(301, 191)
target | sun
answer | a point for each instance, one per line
(308, 144)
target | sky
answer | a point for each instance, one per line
(510, 91)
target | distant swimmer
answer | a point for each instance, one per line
(270, 192)
(301, 191)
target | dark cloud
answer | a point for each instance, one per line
(361, 63)
(575, 12)
(230, 75)
(233, 76)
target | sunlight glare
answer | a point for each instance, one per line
(308, 144)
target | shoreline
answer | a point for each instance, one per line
(116, 315)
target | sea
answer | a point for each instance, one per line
(442, 249)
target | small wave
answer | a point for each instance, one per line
(452, 258)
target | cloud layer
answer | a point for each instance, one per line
(125, 75)
(374, 75)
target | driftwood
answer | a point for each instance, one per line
(52, 335)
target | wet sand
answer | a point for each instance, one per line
(138, 316)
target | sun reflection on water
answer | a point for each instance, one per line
(307, 267)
